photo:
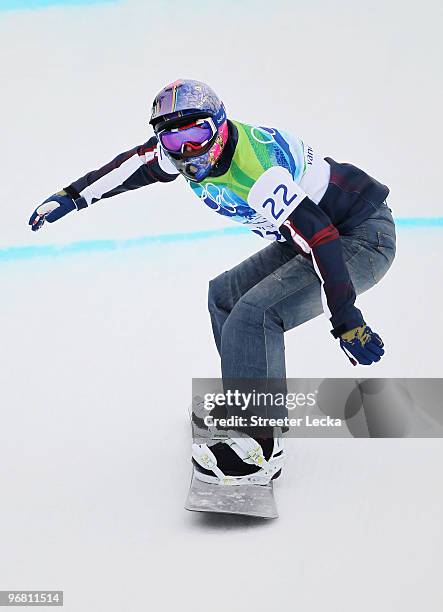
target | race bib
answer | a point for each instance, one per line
(275, 195)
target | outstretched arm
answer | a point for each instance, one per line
(140, 166)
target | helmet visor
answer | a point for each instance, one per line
(190, 139)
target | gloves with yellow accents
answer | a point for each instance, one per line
(362, 345)
(52, 209)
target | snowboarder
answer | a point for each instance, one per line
(332, 237)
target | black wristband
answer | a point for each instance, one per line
(72, 193)
(338, 331)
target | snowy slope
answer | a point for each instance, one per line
(99, 352)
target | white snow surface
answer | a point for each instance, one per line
(98, 356)
(99, 349)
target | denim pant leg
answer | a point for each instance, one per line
(226, 289)
(371, 249)
(251, 327)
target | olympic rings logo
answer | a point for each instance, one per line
(269, 132)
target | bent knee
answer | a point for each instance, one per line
(246, 316)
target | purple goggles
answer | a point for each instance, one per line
(188, 140)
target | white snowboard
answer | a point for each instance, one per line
(247, 500)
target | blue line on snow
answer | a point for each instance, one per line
(11, 5)
(419, 222)
(54, 250)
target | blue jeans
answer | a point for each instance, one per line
(252, 305)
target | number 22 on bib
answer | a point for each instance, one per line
(275, 195)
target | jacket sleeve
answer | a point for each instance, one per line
(140, 166)
(310, 230)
